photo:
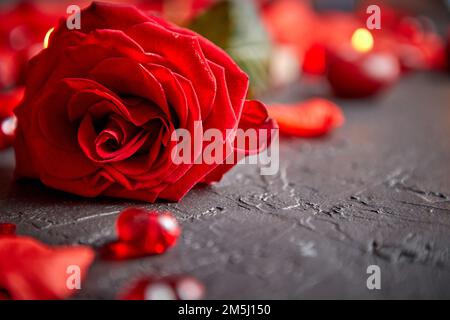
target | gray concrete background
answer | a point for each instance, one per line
(376, 191)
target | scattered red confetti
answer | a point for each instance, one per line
(312, 118)
(7, 229)
(142, 232)
(169, 288)
(30, 270)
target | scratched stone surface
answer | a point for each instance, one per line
(376, 191)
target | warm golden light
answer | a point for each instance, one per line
(362, 40)
(47, 37)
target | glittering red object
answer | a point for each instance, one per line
(132, 224)
(142, 233)
(7, 229)
(169, 288)
(154, 231)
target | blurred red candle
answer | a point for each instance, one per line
(357, 70)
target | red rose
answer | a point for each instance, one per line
(102, 102)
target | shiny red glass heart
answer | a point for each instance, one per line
(142, 232)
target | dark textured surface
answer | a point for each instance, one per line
(376, 191)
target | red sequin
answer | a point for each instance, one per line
(142, 233)
(169, 288)
(7, 229)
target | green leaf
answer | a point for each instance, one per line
(236, 27)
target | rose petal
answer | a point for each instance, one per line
(236, 79)
(31, 270)
(254, 116)
(311, 118)
(192, 64)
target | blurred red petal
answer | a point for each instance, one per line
(314, 60)
(282, 20)
(23, 26)
(30, 270)
(180, 11)
(8, 68)
(9, 100)
(312, 118)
